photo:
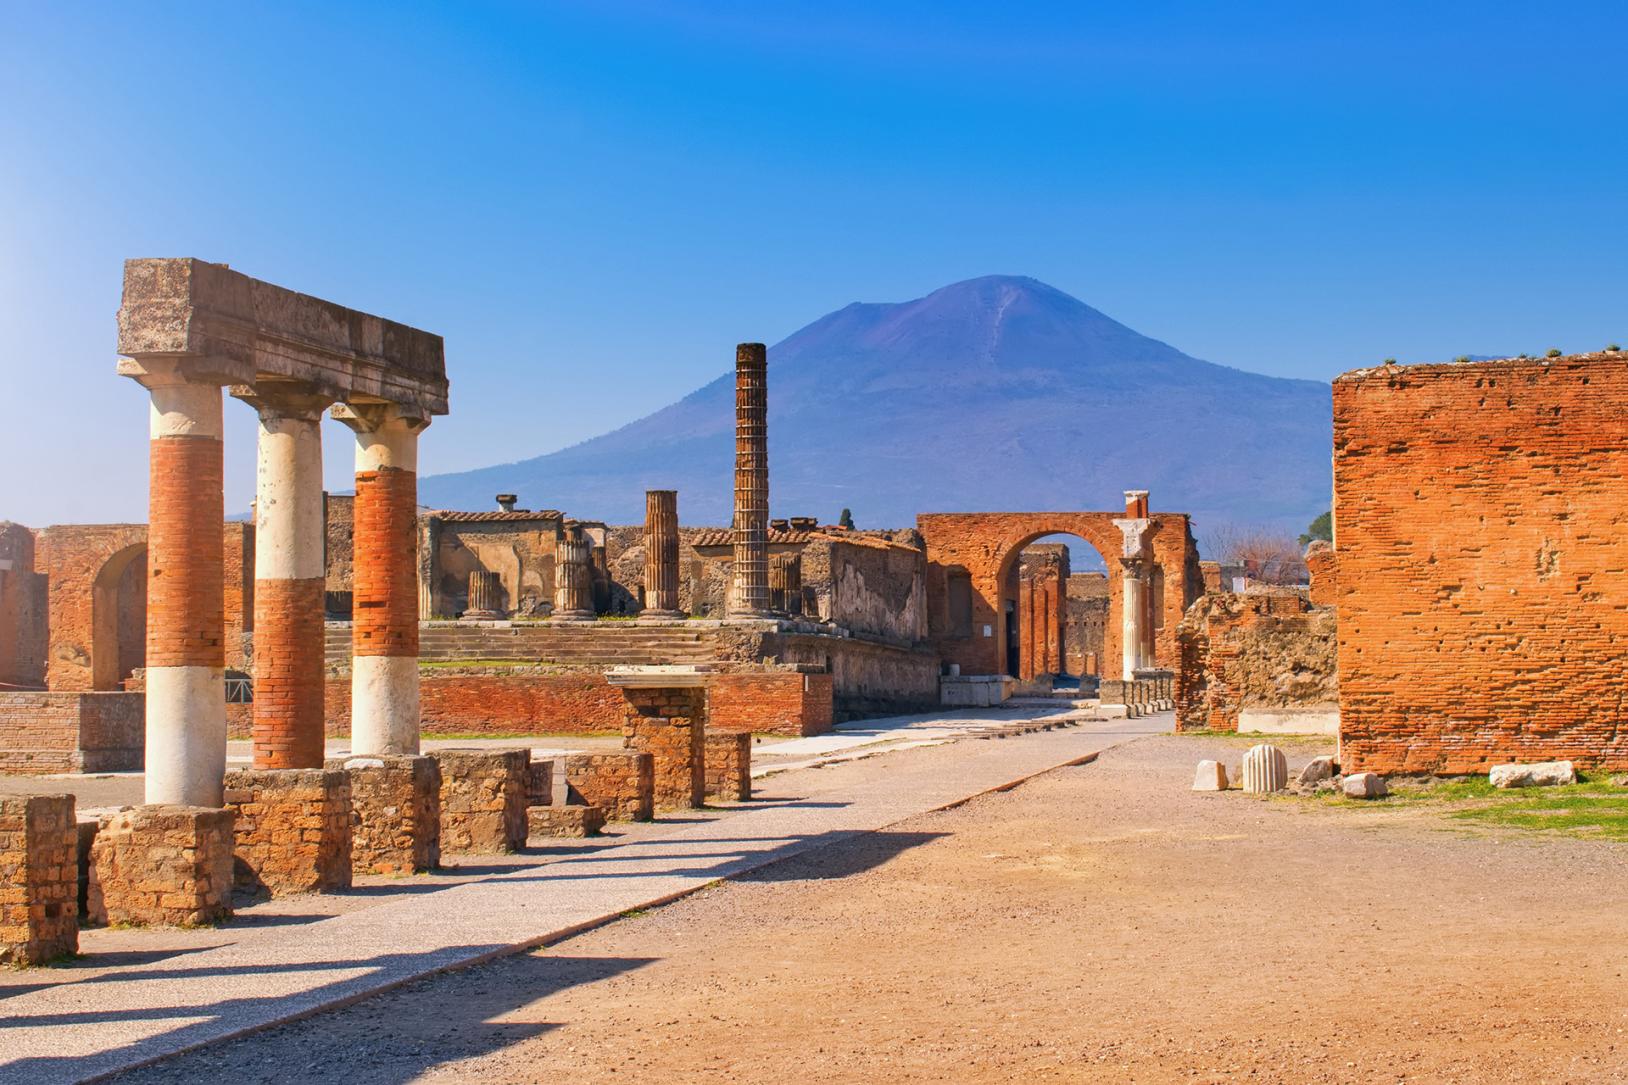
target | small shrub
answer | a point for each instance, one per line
(1612, 347)
(1390, 361)
(1553, 352)
(1462, 358)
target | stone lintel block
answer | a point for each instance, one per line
(565, 820)
(619, 782)
(728, 766)
(39, 878)
(395, 813)
(158, 865)
(484, 796)
(293, 830)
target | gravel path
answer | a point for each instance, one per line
(1099, 924)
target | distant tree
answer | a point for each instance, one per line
(1321, 528)
(846, 519)
(1266, 555)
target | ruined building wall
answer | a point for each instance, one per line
(339, 549)
(1483, 563)
(1261, 650)
(1085, 623)
(517, 546)
(22, 610)
(867, 585)
(1042, 573)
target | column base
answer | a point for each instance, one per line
(728, 766)
(573, 616)
(395, 814)
(167, 866)
(484, 797)
(620, 782)
(293, 830)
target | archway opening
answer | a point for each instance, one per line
(119, 618)
(1054, 605)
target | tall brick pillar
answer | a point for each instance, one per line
(573, 576)
(186, 594)
(1136, 602)
(384, 607)
(661, 554)
(749, 587)
(290, 579)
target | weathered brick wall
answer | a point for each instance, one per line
(39, 878)
(162, 866)
(484, 795)
(1268, 650)
(619, 782)
(292, 832)
(1323, 567)
(983, 546)
(1483, 565)
(670, 726)
(44, 732)
(728, 767)
(22, 610)
(867, 678)
(770, 702)
(1086, 623)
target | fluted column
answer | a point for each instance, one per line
(186, 595)
(1136, 594)
(1132, 611)
(749, 587)
(573, 576)
(290, 579)
(384, 626)
(661, 554)
(485, 595)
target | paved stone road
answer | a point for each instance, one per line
(76, 1024)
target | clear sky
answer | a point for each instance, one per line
(594, 202)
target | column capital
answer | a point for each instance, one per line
(153, 371)
(1135, 532)
(283, 399)
(377, 417)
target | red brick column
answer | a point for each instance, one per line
(186, 656)
(384, 667)
(749, 587)
(290, 579)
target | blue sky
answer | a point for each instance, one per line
(594, 202)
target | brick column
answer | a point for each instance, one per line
(384, 664)
(573, 576)
(186, 595)
(290, 581)
(749, 586)
(661, 554)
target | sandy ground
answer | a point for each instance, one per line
(1100, 923)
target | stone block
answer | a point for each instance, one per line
(1265, 769)
(1364, 785)
(1211, 776)
(165, 866)
(39, 878)
(728, 767)
(565, 820)
(1538, 774)
(293, 830)
(540, 783)
(395, 813)
(619, 782)
(1316, 771)
(484, 795)
(669, 723)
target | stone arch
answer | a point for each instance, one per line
(1014, 606)
(986, 545)
(119, 617)
(89, 569)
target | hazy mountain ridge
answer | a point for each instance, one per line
(995, 393)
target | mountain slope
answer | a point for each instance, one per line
(995, 393)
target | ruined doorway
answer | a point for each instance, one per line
(119, 618)
(1055, 599)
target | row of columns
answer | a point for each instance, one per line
(186, 711)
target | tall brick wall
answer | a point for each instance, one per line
(45, 732)
(1483, 563)
(1086, 623)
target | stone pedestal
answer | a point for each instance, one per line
(729, 766)
(39, 879)
(620, 782)
(666, 717)
(162, 866)
(484, 796)
(293, 830)
(395, 814)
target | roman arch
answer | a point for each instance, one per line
(1151, 557)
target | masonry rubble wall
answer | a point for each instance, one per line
(1256, 651)
(162, 866)
(39, 879)
(395, 813)
(619, 782)
(670, 725)
(292, 830)
(484, 796)
(1482, 563)
(728, 767)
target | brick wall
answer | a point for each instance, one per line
(1483, 563)
(1269, 650)
(22, 610)
(728, 767)
(669, 724)
(619, 782)
(39, 878)
(292, 830)
(1323, 568)
(770, 702)
(44, 732)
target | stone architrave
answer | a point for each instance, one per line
(661, 555)
(749, 584)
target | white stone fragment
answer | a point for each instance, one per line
(1316, 771)
(1265, 769)
(1539, 774)
(1211, 776)
(1364, 785)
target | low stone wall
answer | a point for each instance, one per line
(162, 866)
(484, 796)
(771, 702)
(293, 830)
(45, 732)
(39, 878)
(395, 813)
(620, 782)
(867, 678)
(728, 767)
(670, 725)
(561, 821)
(1262, 651)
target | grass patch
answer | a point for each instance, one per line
(565, 736)
(1594, 809)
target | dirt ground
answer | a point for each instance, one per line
(1100, 923)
